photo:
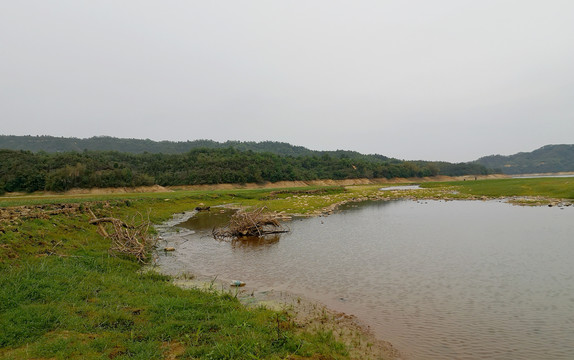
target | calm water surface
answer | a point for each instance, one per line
(440, 280)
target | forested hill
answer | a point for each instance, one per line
(547, 159)
(28, 171)
(137, 146)
(53, 144)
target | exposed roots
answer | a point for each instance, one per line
(255, 223)
(127, 239)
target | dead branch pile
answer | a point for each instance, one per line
(250, 223)
(127, 239)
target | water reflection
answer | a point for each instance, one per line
(207, 220)
(254, 242)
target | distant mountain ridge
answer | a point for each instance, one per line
(53, 144)
(547, 159)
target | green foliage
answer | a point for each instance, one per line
(458, 169)
(559, 188)
(26, 171)
(54, 144)
(64, 297)
(547, 159)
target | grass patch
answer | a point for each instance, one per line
(62, 296)
(559, 188)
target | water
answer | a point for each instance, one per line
(440, 280)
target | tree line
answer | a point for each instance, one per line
(27, 171)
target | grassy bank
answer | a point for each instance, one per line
(63, 296)
(551, 188)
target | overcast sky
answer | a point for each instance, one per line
(435, 80)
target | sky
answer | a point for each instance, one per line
(449, 80)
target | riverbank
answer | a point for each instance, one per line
(304, 313)
(94, 316)
(345, 182)
(63, 296)
(248, 186)
(317, 263)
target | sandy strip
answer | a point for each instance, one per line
(346, 182)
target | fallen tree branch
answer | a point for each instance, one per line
(126, 239)
(250, 223)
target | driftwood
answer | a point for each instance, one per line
(250, 223)
(126, 239)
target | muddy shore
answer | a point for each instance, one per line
(304, 313)
(346, 182)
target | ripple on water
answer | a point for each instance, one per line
(445, 280)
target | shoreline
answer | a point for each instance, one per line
(312, 314)
(175, 208)
(249, 186)
(327, 182)
(306, 313)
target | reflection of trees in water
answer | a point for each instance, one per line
(208, 220)
(256, 241)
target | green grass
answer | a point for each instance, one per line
(558, 188)
(62, 296)
(213, 197)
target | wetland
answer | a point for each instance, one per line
(438, 279)
(64, 295)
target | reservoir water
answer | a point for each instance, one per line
(439, 280)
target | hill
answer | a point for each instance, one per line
(547, 159)
(59, 165)
(27, 171)
(52, 144)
